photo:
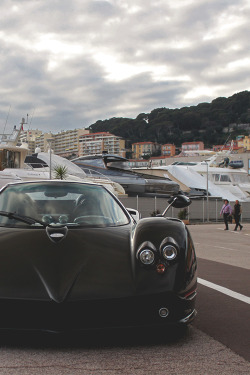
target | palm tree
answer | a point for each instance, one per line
(60, 172)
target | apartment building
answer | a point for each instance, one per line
(29, 137)
(192, 146)
(246, 143)
(43, 141)
(168, 149)
(63, 144)
(66, 142)
(141, 149)
(96, 143)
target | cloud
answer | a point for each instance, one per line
(73, 63)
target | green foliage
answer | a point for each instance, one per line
(204, 122)
(183, 214)
(60, 172)
(155, 213)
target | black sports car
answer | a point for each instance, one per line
(73, 258)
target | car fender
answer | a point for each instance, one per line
(180, 274)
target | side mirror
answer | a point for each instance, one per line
(134, 213)
(179, 201)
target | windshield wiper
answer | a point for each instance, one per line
(29, 220)
(24, 219)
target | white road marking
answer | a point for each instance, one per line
(224, 248)
(226, 291)
(235, 231)
(219, 247)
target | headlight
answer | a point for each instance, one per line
(169, 252)
(147, 253)
(147, 256)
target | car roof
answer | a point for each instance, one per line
(50, 182)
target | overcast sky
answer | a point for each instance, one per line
(69, 63)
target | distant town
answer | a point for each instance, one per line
(80, 142)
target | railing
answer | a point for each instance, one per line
(196, 212)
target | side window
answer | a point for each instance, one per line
(225, 178)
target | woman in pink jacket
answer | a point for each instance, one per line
(226, 211)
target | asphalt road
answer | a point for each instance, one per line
(224, 261)
(218, 342)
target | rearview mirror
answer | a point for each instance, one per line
(179, 201)
(55, 192)
(134, 213)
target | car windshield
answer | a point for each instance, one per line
(60, 203)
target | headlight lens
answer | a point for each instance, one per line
(147, 256)
(169, 252)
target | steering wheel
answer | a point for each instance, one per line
(80, 201)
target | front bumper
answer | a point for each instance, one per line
(96, 314)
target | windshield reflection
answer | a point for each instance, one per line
(57, 203)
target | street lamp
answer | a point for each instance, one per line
(49, 141)
(205, 162)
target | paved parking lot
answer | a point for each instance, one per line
(216, 343)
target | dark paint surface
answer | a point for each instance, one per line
(93, 271)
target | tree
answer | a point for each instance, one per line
(165, 125)
(60, 172)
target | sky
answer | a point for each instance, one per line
(68, 64)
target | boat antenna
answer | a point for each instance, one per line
(21, 127)
(226, 141)
(31, 117)
(6, 120)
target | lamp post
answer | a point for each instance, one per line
(205, 162)
(49, 140)
(207, 194)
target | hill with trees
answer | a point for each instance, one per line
(205, 122)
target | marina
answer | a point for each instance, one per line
(197, 178)
(16, 165)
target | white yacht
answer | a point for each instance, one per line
(223, 181)
(234, 180)
(13, 165)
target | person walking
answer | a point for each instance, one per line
(237, 215)
(226, 211)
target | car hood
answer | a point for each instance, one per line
(89, 263)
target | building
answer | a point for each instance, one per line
(42, 141)
(77, 142)
(96, 143)
(158, 161)
(235, 146)
(141, 149)
(29, 137)
(192, 146)
(133, 163)
(246, 143)
(168, 149)
(66, 143)
(217, 148)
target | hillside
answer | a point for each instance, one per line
(205, 122)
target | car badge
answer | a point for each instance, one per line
(56, 235)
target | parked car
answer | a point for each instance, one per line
(72, 257)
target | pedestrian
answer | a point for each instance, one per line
(237, 215)
(227, 212)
